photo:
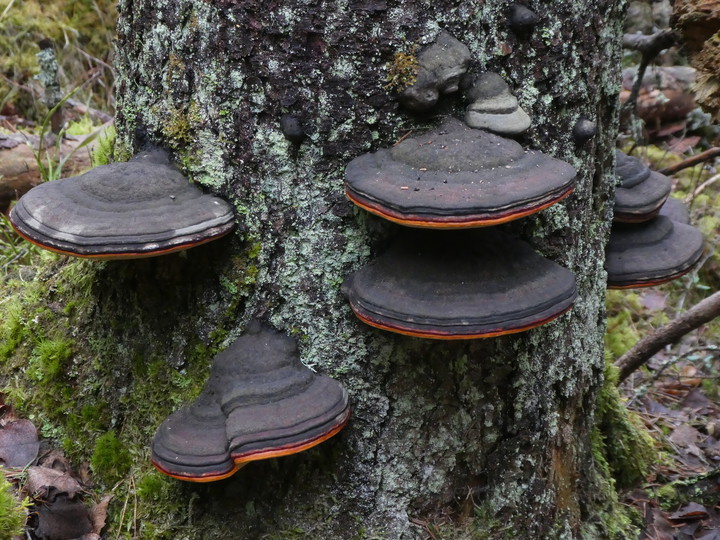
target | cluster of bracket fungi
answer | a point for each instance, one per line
(461, 284)
(448, 275)
(651, 240)
(260, 401)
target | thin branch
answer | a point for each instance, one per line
(649, 47)
(701, 313)
(707, 155)
(707, 183)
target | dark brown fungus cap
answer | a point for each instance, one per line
(650, 253)
(259, 402)
(641, 192)
(675, 210)
(460, 285)
(456, 177)
(494, 108)
(141, 208)
(441, 66)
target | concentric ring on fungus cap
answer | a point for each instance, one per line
(651, 253)
(641, 192)
(259, 402)
(141, 208)
(460, 285)
(456, 177)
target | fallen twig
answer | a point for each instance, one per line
(707, 155)
(701, 313)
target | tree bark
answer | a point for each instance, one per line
(503, 423)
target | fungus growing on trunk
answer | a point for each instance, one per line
(641, 192)
(440, 67)
(459, 285)
(141, 208)
(259, 402)
(651, 253)
(456, 177)
(494, 108)
(675, 210)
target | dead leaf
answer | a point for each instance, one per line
(696, 400)
(55, 459)
(660, 528)
(685, 436)
(690, 511)
(98, 514)
(47, 483)
(19, 443)
(63, 519)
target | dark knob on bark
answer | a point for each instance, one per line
(292, 129)
(522, 20)
(584, 130)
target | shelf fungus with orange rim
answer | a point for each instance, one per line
(456, 177)
(459, 285)
(259, 402)
(651, 253)
(141, 208)
(641, 192)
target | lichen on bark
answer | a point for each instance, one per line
(506, 422)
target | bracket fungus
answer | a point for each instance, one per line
(440, 68)
(675, 210)
(641, 192)
(259, 402)
(460, 285)
(651, 253)
(494, 107)
(141, 208)
(456, 177)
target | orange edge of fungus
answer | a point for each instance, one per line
(653, 283)
(122, 256)
(240, 460)
(448, 337)
(466, 223)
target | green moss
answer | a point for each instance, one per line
(620, 440)
(104, 151)
(667, 496)
(403, 70)
(13, 512)
(80, 29)
(111, 459)
(179, 125)
(49, 358)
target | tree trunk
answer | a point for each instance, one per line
(496, 429)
